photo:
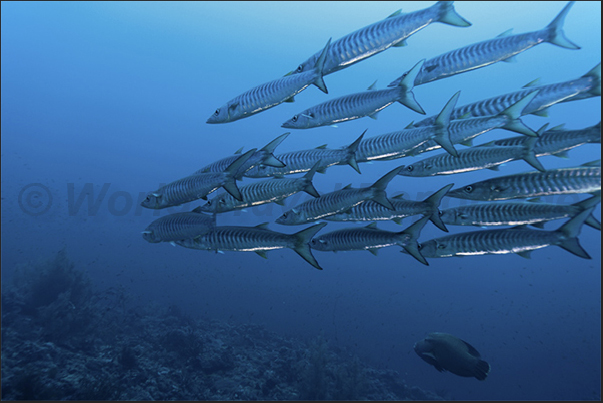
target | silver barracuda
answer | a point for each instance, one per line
(372, 211)
(377, 37)
(303, 160)
(355, 106)
(197, 186)
(555, 141)
(371, 238)
(502, 48)
(582, 179)
(521, 240)
(463, 131)
(270, 94)
(262, 192)
(264, 156)
(338, 201)
(531, 212)
(587, 86)
(473, 159)
(401, 143)
(177, 226)
(257, 239)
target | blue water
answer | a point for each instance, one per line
(103, 102)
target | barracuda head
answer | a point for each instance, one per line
(224, 114)
(149, 235)
(303, 120)
(154, 200)
(454, 216)
(320, 243)
(291, 217)
(417, 169)
(220, 204)
(483, 191)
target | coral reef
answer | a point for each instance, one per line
(61, 340)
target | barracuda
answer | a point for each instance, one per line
(304, 160)
(371, 238)
(377, 37)
(257, 239)
(267, 191)
(338, 201)
(473, 159)
(197, 186)
(582, 179)
(587, 86)
(355, 106)
(401, 143)
(177, 226)
(262, 156)
(520, 240)
(502, 48)
(531, 212)
(372, 211)
(556, 141)
(270, 94)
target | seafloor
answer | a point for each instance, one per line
(63, 340)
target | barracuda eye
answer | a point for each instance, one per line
(441, 246)
(410, 168)
(440, 213)
(209, 202)
(469, 189)
(222, 201)
(419, 246)
(284, 215)
(300, 68)
(217, 112)
(294, 118)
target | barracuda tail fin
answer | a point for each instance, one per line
(407, 97)
(302, 243)
(515, 111)
(351, 153)
(589, 203)
(448, 15)
(442, 134)
(596, 74)
(529, 156)
(320, 63)
(434, 202)
(230, 184)
(555, 29)
(379, 188)
(309, 188)
(271, 160)
(569, 234)
(412, 246)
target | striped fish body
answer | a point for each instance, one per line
(242, 239)
(349, 239)
(255, 194)
(582, 179)
(178, 226)
(377, 37)
(325, 205)
(486, 242)
(509, 213)
(394, 145)
(548, 95)
(300, 161)
(372, 211)
(469, 159)
(220, 166)
(553, 142)
(185, 190)
(345, 108)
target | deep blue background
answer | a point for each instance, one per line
(116, 95)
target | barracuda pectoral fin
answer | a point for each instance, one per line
(302, 243)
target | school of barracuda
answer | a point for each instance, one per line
(454, 125)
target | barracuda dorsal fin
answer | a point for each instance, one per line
(532, 83)
(556, 128)
(434, 202)
(239, 151)
(556, 36)
(372, 86)
(398, 196)
(515, 111)
(506, 33)
(595, 163)
(543, 129)
(322, 147)
(412, 246)
(407, 97)
(569, 234)
(411, 125)
(319, 66)
(395, 13)
(372, 225)
(302, 243)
